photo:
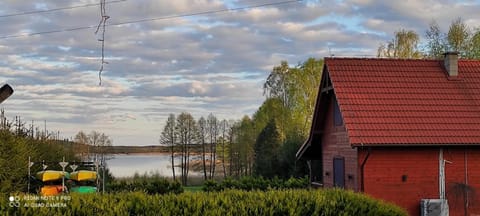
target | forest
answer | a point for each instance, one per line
(262, 145)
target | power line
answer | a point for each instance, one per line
(56, 9)
(151, 19)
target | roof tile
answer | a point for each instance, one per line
(405, 101)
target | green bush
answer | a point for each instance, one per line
(249, 183)
(149, 184)
(229, 202)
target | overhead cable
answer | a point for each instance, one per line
(151, 19)
(56, 9)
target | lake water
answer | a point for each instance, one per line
(125, 165)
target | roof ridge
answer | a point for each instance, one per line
(395, 59)
(384, 58)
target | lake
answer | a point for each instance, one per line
(126, 165)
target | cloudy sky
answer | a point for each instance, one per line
(182, 55)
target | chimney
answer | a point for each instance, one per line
(451, 63)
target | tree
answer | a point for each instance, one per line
(202, 134)
(232, 135)
(272, 108)
(212, 128)
(291, 96)
(458, 37)
(82, 145)
(224, 129)
(96, 143)
(267, 148)
(436, 44)
(242, 152)
(169, 138)
(296, 88)
(277, 83)
(303, 90)
(403, 45)
(186, 133)
(14, 152)
(474, 47)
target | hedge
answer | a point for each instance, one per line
(229, 202)
(249, 183)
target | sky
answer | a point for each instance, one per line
(196, 56)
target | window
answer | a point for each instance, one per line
(337, 116)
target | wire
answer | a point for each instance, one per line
(57, 9)
(151, 19)
(102, 24)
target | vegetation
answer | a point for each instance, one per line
(459, 38)
(92, 145)
(249, 183)
(154, 184)
(17, 145)
(229, 202)
(263, 144)
(403, 45)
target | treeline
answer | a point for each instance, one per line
(91, 146)
(460, 38)
(18, 142)
(263, 144)
(22, 128)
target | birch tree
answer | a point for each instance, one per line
(212, 127)
(436, 44)
(458, 36)
(202, 134)
(186, 134)
(403, 45)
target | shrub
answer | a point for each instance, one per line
(229, 202)
(249, 183)
(152, 185)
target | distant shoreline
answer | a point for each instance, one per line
(136, 149)
(145, 150)
(141, 153)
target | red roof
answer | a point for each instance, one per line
(405, 101)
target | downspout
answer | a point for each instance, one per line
(466, 180)
(362, 169)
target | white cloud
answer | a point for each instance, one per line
(207, 63)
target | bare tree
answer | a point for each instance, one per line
(202, 133)
(224, 128)
(169, 138)
(212, 127)
(94, 143)
(436, 44)
(186, 134)
(82, 145)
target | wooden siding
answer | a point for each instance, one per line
(335, 144)
(405, 175)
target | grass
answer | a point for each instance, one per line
(192, 188)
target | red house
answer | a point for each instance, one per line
(401, 130)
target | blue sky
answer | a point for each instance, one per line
(212, 63)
